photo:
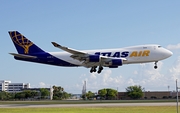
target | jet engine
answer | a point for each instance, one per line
(93, 58)
(115, 62)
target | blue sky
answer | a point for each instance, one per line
(92, 24)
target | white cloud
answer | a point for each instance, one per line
(104, 80)
(135, 72)
(131, 82)
(145, 75)
(93, 76)
(152, 77)
(158, 79)
(174, 47)
(42, 84)
(175, 70)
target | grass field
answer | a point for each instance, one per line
(83, 102)
(132, 109)
(162, 109)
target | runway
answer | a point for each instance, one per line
(87, 105)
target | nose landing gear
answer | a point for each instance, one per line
(155, 67)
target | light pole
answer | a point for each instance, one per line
(117, 94)
(144, 93)
(177, 96)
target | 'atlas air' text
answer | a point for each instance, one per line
(125, 54)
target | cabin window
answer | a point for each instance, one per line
(144, 47)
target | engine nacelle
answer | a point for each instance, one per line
(93, 58)
(116, 62)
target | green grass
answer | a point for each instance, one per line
(133, 109)
(150, 109)
(83, 102)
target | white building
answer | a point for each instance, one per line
(12, 87)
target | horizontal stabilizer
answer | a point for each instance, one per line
(22, 55)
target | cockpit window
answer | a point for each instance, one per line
(159, 46)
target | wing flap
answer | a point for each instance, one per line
(105, 58)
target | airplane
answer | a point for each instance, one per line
(93, 59)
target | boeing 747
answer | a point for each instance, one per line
(93, 59)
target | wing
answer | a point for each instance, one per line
(79, 55)
(69, 50)
(92, 60)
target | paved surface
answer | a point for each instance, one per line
(88, 105)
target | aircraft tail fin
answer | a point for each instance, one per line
(23, 45)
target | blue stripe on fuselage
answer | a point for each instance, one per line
(46, 58)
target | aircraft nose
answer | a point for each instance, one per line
(168, 53)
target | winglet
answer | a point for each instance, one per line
(59, 46)
(55, 44)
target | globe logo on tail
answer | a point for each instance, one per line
(21, 41)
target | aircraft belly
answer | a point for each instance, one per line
(70, 60)
(139, 60)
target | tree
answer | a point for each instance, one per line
(108, 93)
(44, 92)
(89, 95)
(34, 94)
(111, 94)
(66, 95)
(20, 95)
(27, 93)
(3, 95)
(6, 96)
(102, 93)
(135, 92)
(59, 93)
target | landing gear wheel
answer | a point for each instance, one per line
(100, 69)
(93, 69)
(155, 67)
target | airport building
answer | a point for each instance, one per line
(9, 87)
(151, 95)
(12, 87)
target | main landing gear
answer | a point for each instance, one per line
(100, 69)
(155, 67)
(93, 69)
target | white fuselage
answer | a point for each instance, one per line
(133, 54)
